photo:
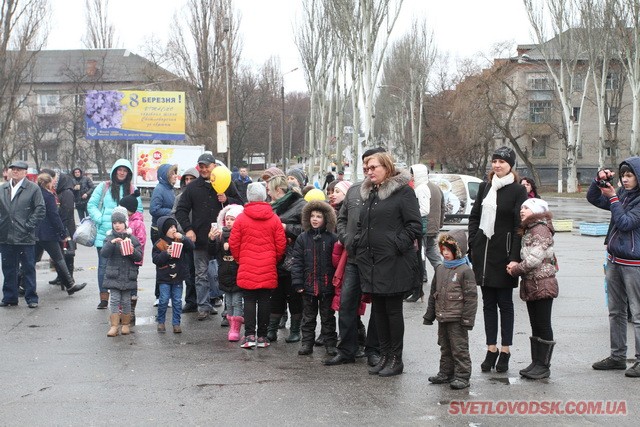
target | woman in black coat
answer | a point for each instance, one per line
(287, 204)
(51, 232)
(495, 245)
(385, 246)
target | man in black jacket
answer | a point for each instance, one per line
(351, 292)
(21, 210)
(200, 200)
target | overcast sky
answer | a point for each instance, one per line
(464, 28)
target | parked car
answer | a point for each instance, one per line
(460, 193)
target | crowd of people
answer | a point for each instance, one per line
(270, 253)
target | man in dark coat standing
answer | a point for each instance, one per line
(21, 209)
(197, 209)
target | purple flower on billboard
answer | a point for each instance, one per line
(104, 108)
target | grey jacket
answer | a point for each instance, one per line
(436, 210)
(121, 272)
(348, 218)
(20, 217)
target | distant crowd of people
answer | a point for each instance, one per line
(273, 250)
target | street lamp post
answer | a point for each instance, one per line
(226, 29)
(284, 157)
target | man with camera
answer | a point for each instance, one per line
(623, 265)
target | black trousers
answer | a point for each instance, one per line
(284, 294)
(540, 318)
(492, 299)
(387, 311)
(190, 296)
(260, 299)
(55, 253)
(310, 306)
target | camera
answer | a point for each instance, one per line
(603, 182)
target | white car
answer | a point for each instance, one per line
(460, 193)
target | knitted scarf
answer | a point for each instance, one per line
(456, 262)
(489, 204)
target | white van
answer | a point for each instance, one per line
(460, 193)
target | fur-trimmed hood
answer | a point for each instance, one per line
(541, 218)
(388, 187)
(326, 209)
(456, 241)
(223, 214)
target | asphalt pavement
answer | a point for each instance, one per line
(59, 368)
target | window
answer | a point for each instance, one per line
(613, 80)
(577, 85)
(538, 83)
(49, 154)
(23, 155)
(539, 111)
(48, 103)
(609, 150)
(539, 146)
(576, 114)
(612, 115)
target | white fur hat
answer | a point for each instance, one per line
(536, 205)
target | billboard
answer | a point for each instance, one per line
(148, 157)
(130, 114)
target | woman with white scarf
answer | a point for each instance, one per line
(495, 245)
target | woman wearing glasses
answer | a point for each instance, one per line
(385, 246)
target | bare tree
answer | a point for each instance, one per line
(196, 51)
(100, 32)
(564, 54)
(22, 34)
(364, 26)
(406, 74)
(627, 18)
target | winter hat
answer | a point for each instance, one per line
(299, 175)
(271, 172)
(624, 168)
(343, 186)
(119, 214)
(130, 202)
(234, 211)
(449, 242)
(506, 154)
(315, 194)
(256, 192)
(536, 206)
(166, 225)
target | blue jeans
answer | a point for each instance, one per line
(622, 286)
(173, 291)
(233, 303)
(102, 268)
(13, 257)
(432, 253)
(348, 316)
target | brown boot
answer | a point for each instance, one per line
(126, 321)
(104, 300)
(115, 322)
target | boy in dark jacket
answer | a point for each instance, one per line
(172, 267)
(312, 273)
(453, 300)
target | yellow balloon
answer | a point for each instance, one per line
(315, 194)
(220, 179)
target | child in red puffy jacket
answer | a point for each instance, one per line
(257, 243)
